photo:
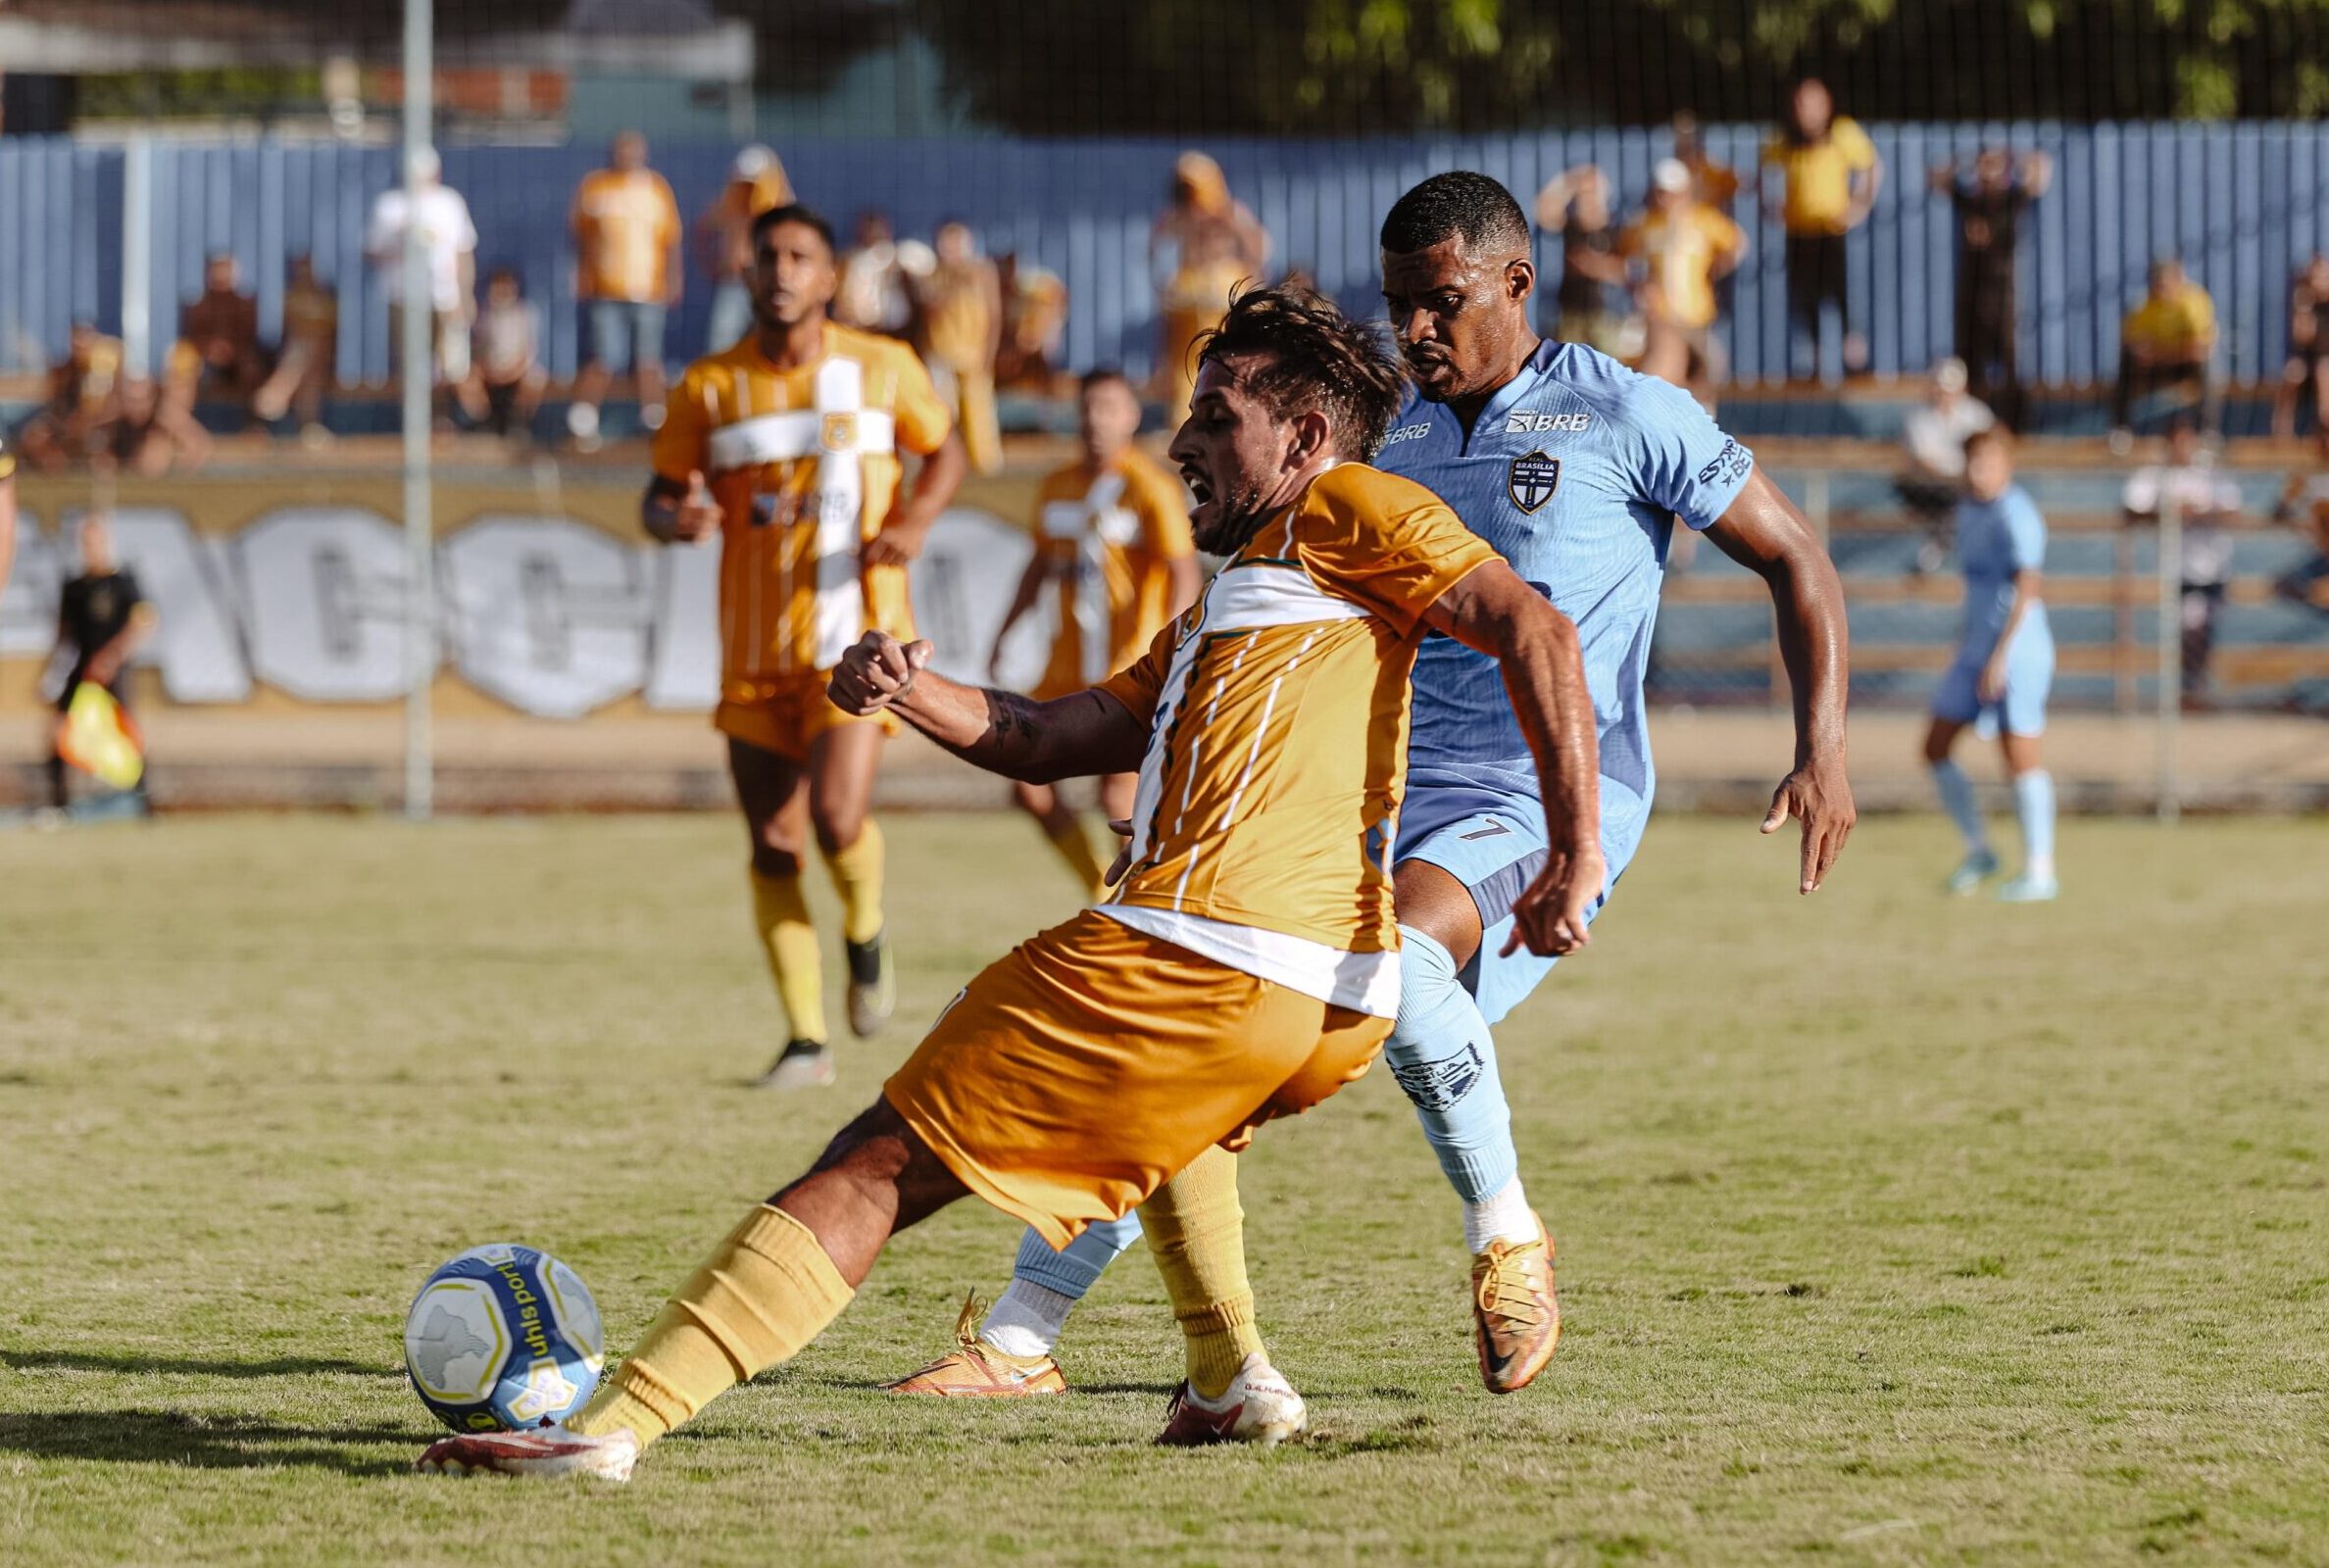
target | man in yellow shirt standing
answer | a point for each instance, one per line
(2168, 341)
(1831, 174)
(962, 306)
(627, 242)
(788, 446)
(1686, 247)
(1111, 542)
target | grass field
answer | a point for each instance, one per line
(1892, 1229)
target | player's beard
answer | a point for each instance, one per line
(1229, 521)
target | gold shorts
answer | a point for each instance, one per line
(784, 713)
(1077, 1075)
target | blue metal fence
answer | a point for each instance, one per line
(2242, 203)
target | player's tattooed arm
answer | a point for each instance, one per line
(1003, 732)
(1536, 647)
(1764, 533)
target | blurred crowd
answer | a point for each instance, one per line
(1645, 277)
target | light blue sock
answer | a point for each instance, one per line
(1076, 1267)
(1956, 799)
(2034, 804)
(1442, 1054)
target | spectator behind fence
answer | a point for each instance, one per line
(2304, 505)
(2168, 343)
(506, 376)
(304, 364)
(1204, 243)
(756, 184)
(8, 511)
(627, 242)
(1034, 324)
(104, 618)
(2309, 352)
(449, 239)
(148, 433)
(2207, 501)
(1714, 183)
(1933, 439)
(1590, 304)
(1988, 195)
(82, 390)
(1830, 174)
(877, 279)
(1685, 248)
(961, 303)
(218, 354)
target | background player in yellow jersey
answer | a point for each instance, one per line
(788, 446)
(1247, 968)
(1111, 544)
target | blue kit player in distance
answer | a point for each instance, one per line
(1574, 468)
(2003, 671)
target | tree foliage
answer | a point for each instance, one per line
(1365, 67)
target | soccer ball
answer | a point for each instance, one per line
(503, 1338)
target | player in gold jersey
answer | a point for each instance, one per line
(788, 447)
(1112, 545)
(1247, 968)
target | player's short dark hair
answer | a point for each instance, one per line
(796, 213)
(1102, 375)
(1452, 205)
(1316, 357)
(1989, 435)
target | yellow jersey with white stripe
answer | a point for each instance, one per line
(804, 462)
(1107, 540)
(1277, 709)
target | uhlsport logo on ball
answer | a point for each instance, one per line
(503, 1337)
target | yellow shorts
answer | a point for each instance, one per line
(784, 713)
(1076, 1076)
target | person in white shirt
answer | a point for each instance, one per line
(1933, 439)
(450, 241)
(2207, 501)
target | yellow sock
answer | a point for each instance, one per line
(1195, 1231)
(781, 913)
(766, 1291)
(1076, 848)
(857, 877)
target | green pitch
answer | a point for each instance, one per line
(1892, 1229)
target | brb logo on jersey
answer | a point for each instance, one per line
(1533, 480)
(1530, 421)
(1407, 432)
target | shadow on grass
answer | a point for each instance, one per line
(206, 1441)
(189, 1366)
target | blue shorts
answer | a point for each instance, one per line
(625, 331)
(2029, 676)
(1495, 846)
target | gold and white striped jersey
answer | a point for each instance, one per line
(1278, 708)
(805, 465)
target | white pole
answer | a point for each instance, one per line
(137, 255)
(2170, 710)
(418, 355)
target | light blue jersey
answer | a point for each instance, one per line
(1996, 540)
(1574, 472)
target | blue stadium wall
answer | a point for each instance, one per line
(2242, 203)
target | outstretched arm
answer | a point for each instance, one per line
(1536, 647)
(1764, 533)
(1003, 732)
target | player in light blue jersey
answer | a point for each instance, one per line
(1575, 470)
(2004, 666)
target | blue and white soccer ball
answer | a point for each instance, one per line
(503, 1338)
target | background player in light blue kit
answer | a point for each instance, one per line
(2004, 666)
(1574, 468)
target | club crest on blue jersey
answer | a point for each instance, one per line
(1534, 478)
